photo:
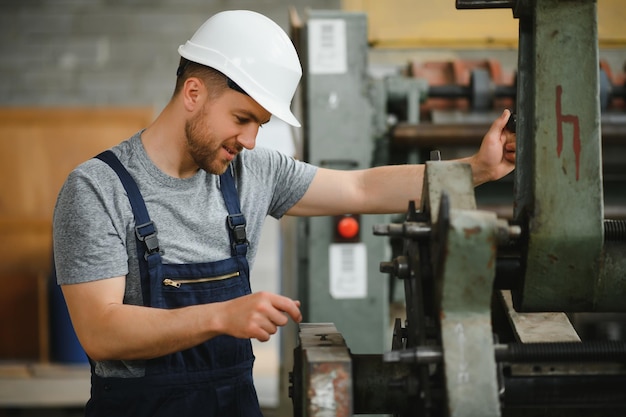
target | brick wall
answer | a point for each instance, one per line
(106, 52)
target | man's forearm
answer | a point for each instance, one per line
(127, 332)
(392, 187)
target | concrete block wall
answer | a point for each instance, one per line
(106, 52)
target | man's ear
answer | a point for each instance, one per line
(192, 92)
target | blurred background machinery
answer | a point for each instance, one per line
(508, 298)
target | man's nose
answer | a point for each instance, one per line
(247, 137)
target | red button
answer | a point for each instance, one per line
(348, 227)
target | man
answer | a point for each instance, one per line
(152, 239)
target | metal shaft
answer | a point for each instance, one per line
(524, 353)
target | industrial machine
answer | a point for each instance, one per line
(496, 304)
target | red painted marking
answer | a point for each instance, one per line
(567, 118)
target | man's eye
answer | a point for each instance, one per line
(242, 120)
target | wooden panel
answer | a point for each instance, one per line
(428, 23)
(38, 149)
(19, 329)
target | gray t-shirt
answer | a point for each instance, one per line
(93, 224)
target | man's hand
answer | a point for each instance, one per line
(496, 156)
(258, 315)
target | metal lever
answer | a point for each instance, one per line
(485, 4)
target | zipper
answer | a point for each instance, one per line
(178, 282)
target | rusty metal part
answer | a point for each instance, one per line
(325, 388)
(328, 381)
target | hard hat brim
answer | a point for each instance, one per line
(211, 58)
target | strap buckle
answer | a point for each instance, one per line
(147, 233)
(237, 223)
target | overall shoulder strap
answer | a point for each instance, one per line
(235, 220)
(148, 252)
(144, 227)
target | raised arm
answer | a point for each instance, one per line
(388, 189)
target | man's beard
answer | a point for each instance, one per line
(204, 148)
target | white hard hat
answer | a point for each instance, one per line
(255, 53)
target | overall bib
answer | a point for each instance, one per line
(212, 379)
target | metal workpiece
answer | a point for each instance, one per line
(322, 385)
(334, 382)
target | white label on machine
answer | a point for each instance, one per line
(327, 46)
(348, 270)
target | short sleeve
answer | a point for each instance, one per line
(90, 224)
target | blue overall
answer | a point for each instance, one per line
(212, 379)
